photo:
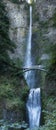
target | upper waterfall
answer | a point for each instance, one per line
(29, 76)
(28, 49)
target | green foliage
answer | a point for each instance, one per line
(13, 93)
(14, 103)
(5, 43)
(15, 1)
(6, 90)
(25, 93)
(50, 114)
(54, 19)
(52, 49)
(51, 74)
(14, 126)
(4, 127)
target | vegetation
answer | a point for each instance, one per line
(45, 45)
(5, 43)
(13, 88)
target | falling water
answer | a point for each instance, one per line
(28, 54)
(28, 58)
(34, 107)
(33, 103)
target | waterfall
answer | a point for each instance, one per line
(33, 103)
(28, 62)
(34, 107)
(28, 58)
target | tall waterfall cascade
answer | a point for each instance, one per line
(33, 104)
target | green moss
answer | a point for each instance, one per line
(25, 93)
(50, 113)
(44, 24)
(14, 103)
(54, 19)
(13, 93)
(17, 1)
(6, 90)
(35, 16)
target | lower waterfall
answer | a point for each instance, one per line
(33, 104)
(34, 107)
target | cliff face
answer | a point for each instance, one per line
(44, 31)
(12, 84)
(18, 26)
(44, 26)
(43, 35)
